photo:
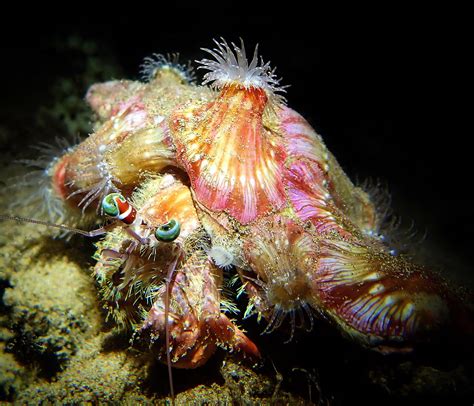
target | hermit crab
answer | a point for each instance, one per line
(225, 181)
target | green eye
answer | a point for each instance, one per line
(168, 232)
(110, 205)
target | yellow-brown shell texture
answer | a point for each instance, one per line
(257, 193)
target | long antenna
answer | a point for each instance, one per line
(92, 233)
(167, 328)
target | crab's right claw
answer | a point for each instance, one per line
(233, 338)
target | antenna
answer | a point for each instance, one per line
(92, 233)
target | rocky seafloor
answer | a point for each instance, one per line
(56, 345)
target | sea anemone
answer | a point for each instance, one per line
(39, 196)
(232, 66)
(155, 63)
(221, 256)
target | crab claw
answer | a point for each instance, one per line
(196, 325)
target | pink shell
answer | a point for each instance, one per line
(233, 162)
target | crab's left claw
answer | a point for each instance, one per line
(195, 322)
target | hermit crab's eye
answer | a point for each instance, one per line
(110, 205)
(169, 231)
